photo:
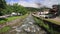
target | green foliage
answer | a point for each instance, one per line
(3, 21)
(58, 10)
(4, 29)
(8, 9)
(19, 9)
(46, 26)
(2, 6)
(7, 28)
(8, 19)
(36, 9)
(32, 9)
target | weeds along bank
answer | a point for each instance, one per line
(12, 18)
(14, 22)
(51, 28)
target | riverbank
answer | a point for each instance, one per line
(10, 24)
(52, 20)
(50, 27)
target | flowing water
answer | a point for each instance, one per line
(28, 27)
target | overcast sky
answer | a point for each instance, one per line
(32, 3)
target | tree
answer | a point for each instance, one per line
(19, 9)
(9, 9)
(2, 6)
(58, 6)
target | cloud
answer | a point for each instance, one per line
(27, 4)
(32, 3)
(49, 3)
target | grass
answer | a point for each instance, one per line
(45, 25)
(11, 18)
(3, 21)
(52, 21)
(41, 23)
(5, 29)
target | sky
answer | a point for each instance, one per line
(33, 3)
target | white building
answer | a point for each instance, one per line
(15, 14)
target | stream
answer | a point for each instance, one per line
(28, 27)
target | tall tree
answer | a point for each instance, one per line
(2, 6)
(19, 9)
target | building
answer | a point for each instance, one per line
(15, 14)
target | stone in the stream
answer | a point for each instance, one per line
(23, 25)
(30, 22)
(27, 30)
(18, 30)
(14, 27)
(38, 29)
(33, 30)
